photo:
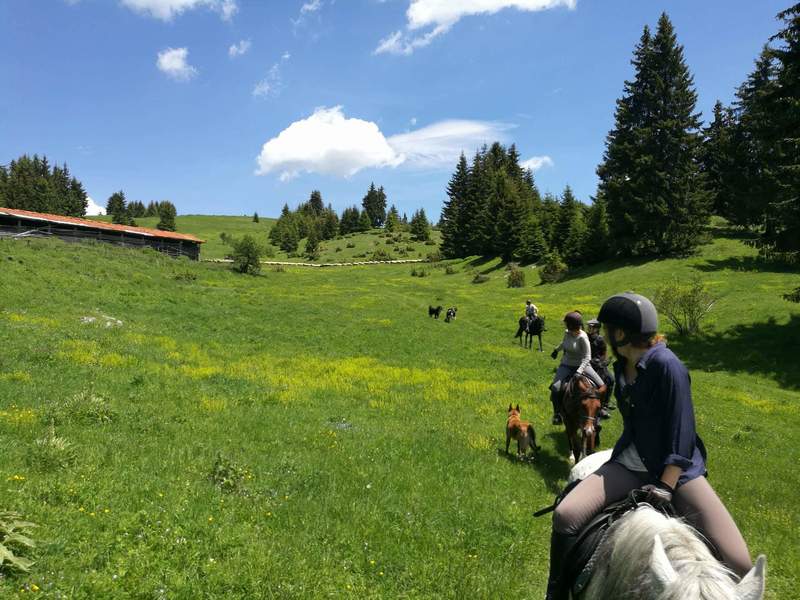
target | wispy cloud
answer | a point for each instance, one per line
(172, 62)
(166, 10)
(328, 142)
(441, 15)
(239, 48)
(307, 9)
(272, 84)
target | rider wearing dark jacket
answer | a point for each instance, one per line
(659, 450)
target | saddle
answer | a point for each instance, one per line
(580, 561)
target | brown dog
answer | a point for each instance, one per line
(522, 431)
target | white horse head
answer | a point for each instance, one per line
(649, 556)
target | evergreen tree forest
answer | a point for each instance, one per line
(662, 175)
(751, 152)
(30, 183)
(493, 207)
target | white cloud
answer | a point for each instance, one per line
(330, 143)
(166, 10)
(306, 10)
(441, 15)
(239, 48)
(535, 163)
(326, 142)
(172, 61)
(94, 209)
(286, 55)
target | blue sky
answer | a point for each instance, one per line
(236, 106)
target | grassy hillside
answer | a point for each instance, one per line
(352, 247)
(312, 433)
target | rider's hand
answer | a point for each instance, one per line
(554, 354)
(658, 493)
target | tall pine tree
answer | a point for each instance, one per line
(650, 176)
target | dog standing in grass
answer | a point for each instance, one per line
(522, 431)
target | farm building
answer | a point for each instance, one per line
(20, 223)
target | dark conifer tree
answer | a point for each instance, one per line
(650, 177)
(454, 243)
(392, 219)
(166, 214)
(782, 231)
(255, 217)
(117, 208)
(315, 203)
(364, 222)
(420, 227)
(717, 160)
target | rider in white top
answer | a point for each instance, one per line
(530, 309)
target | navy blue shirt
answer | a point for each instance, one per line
(658, 415)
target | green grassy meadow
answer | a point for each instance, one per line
(348, 248)
(313, 433)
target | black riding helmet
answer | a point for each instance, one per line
(573, 320)
(630, 312)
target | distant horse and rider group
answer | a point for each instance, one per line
(641, 521)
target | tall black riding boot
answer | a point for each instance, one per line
(556, 407)
(560, 546)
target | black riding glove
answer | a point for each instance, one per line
(554, 354)
(658, 493)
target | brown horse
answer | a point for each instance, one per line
(580, 406)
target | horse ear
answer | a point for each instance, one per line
(751, 587)
(509, 407)
(660, 564)
(517, 406)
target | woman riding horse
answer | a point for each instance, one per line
(658, 451)
(576, 361)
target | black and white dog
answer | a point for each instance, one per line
(451, 314)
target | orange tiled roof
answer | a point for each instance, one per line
(143, 231)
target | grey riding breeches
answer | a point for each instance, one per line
(564, 372)
(695, 501)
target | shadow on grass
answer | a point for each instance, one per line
(764, 348)
(745, 263)
(603, 268)
(483, 260)
(553, 468)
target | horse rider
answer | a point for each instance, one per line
(531, 312)
(659, 450)
(576, 361)
(600, 363)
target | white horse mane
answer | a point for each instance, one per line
(648, 556)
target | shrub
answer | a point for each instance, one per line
(389, 242)
(516, 278)
(247, 256)
(419, 272)
(84, 408)
(52, 452)
(338, 249)
(554, 269)
(381, 254)
(793, 296)
(685, 304)
(434, 256)
(279, 269)
(15, 540)
(185, 276)
(410, 248)
(229, 476)
(449, 270)
(480, 278)
(351, 244)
